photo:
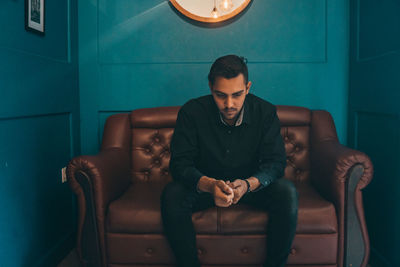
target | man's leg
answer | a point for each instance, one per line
(280, 199)
(177, 206)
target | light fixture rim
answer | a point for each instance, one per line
(210, 19)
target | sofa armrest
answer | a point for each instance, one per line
(339, 173)
(96, 180)
(332, 165)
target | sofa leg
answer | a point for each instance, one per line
(90, 242)
(356, 236)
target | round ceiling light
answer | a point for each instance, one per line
(210, 11)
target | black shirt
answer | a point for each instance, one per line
(203, 145)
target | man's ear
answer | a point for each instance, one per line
(248, 87)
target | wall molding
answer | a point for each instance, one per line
(324, 59)
(368, 58)
(34, 115)
(70, 123)
(65, 242)
(357, 113)
(68, 56)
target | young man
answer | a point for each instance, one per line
(227, 149)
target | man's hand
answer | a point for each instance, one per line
(239, 188)
(223, 194)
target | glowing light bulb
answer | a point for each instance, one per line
(226, 5)
(214, 13)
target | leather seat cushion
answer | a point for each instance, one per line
(138, 211)
(315, 216)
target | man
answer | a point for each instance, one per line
(227, 149)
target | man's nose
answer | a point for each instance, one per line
(229, 102)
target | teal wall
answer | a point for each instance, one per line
(39, 133)
(136, 54)
(374, 118)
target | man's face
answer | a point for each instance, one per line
(229, 95)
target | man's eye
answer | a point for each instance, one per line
(237, 95)
(220, 95)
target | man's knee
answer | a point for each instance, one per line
(172, 192)
(286, 194)
(176, 199)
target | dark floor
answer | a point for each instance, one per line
(72, 260)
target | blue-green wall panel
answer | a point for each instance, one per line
(378, 36)
(129, 34)
(36, 206)
(136, 54)
(39, 133)
(374, 118)
(28, 81)
(382, 219)
(54, 46)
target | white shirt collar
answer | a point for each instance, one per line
(238, 121)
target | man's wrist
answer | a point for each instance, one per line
(255, 184)
(248, 186)
(205, 184)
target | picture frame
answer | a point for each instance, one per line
(34, 16)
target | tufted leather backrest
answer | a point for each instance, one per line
(152, 129)
(295, 131)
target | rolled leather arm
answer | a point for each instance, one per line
(107, 175)
(339, 173)
(108, 171)
(331, 166)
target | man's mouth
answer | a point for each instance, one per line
(231, 111)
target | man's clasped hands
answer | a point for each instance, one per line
(227, 193)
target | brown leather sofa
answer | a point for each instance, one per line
(118, 193)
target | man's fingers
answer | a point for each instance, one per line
(229, 184)
(224, 195)
(236, 197)
(227, 189)
(236, 183)
(226, 200)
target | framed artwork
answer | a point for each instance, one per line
(34, 16)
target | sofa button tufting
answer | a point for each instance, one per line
(293, 251)
(149, 250)
(245, 250)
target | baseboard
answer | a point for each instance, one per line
(59, 251)
(378, 260)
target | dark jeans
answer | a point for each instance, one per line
(280, 199)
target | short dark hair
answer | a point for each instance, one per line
(228, 66)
